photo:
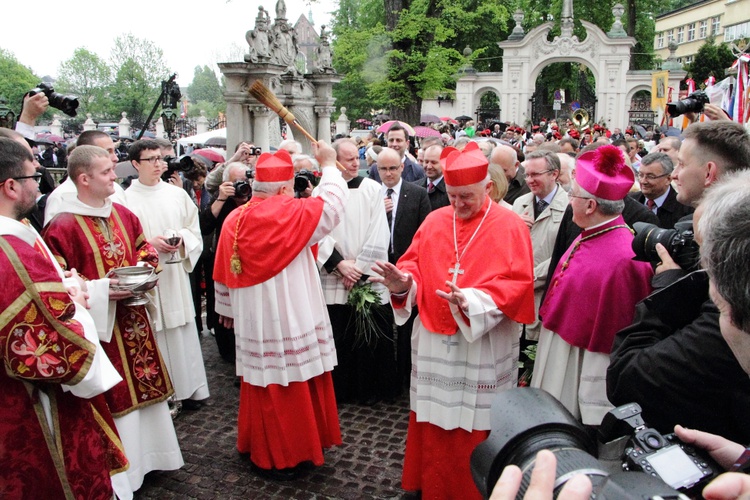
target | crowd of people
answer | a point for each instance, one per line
(374, 266)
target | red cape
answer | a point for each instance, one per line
(273, 231)
(499, 262)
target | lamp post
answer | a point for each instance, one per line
(7, 116)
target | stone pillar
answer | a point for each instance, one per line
(124, 125)
(89, 124)
(261, 136)
(201, 125)
(160, 128)
(324, 122)
(56, 127)
(342, 124)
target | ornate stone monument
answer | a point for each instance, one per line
(271, 58)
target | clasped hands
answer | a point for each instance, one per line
(398, 282)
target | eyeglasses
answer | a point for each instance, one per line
(37, 177)
(651, 177)
(153, 159)
(581, 197)
(389, 169)
(536, 174)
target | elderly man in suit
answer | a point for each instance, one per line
(434, 182)
(406, 206)
(657, 193)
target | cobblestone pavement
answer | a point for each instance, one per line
(367, 465)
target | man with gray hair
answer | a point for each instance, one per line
(656, 190)
(211, 221)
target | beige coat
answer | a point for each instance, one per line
(543, 234)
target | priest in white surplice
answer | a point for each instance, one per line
(161, 206)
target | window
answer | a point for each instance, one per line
(737, 31)
(660, 41)
(691, 32)
(680, 34)
(688, 59)
(715, 25)
(703, 29)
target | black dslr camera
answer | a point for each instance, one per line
(526, 420)
(302, 178)
(679, 242)
(243, 189)
(68, 104)
(694, 102)
(182, 164)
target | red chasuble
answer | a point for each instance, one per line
(43, 347)
(94, 246)
(499, 262)
(596, 287)
(272, 232)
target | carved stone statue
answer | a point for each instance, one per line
(284, 48)
(323, 51)
(259, 39)
(280, 10)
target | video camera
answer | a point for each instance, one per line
(694, 102)
(526, 420)
(302, 178)
(182, 164)
(679, 242)
(68, 104)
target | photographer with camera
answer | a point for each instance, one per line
(673, 360)
(722, 221)
(233, 192)
(306, 175)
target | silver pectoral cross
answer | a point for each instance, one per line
(455, 271)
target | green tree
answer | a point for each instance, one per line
(145, 53)
(711, 59)
(15, 80)
(205, 87)
(88, 77)
(133, 93)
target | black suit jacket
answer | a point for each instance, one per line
(517, 186)
(413, 207)
(438, 197)
(670, 211)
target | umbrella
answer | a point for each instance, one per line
(125, 169)
(641, 130)
(217, 141)
(387, 125)
(448, 119)
(362, 121)
(210, 154)
(430, 119)
(670, 131)
(420, 131)
(463, 118)
(50, 138)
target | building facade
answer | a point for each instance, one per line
(690, 26)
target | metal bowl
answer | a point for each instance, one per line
(137, 279)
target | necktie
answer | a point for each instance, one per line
(389, 194)
(650, 204)
(389, 215)
(430, 188)
(540, 206)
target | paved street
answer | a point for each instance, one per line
(367, 465)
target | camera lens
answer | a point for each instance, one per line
(647, 236)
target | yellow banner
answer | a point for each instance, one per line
(659, 90)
